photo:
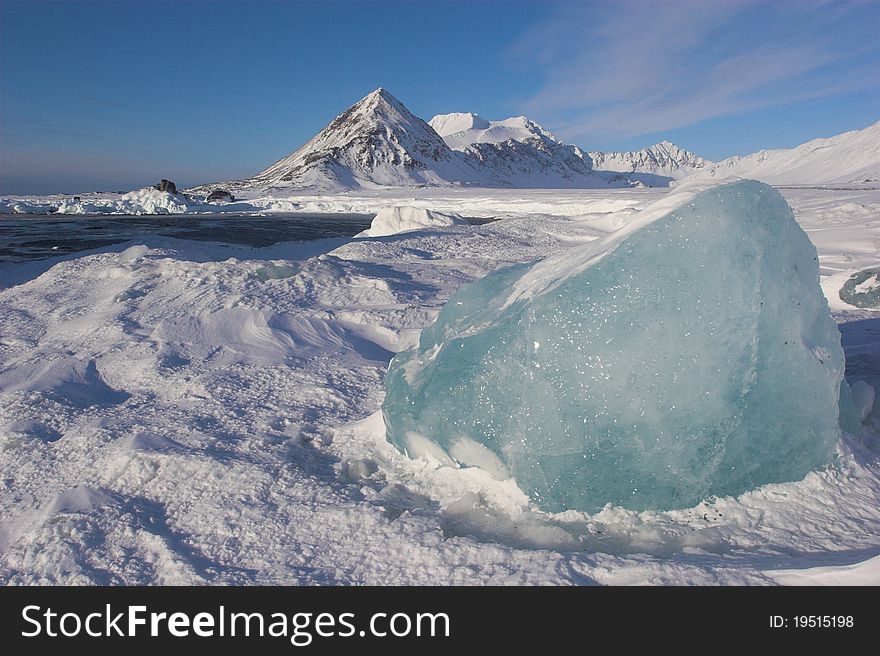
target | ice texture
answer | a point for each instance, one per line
(690, 354)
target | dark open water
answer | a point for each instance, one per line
(35, 238)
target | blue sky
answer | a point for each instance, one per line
(116, 95)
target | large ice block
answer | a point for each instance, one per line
(686, 356)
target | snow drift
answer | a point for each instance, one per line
(392, 220)
(688, 355)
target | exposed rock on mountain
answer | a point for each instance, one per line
(516, 152)
(664, 160)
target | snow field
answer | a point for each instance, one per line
(170, 414)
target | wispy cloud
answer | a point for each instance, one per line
(626, 69)
(13, 126)
(106, 102)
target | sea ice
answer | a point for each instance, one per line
(690, 354)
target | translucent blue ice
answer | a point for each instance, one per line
(694, 356)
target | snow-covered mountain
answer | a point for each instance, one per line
(460, 130)
(536, 163)
(663, 159)
(848, 158)
(517, 152)
(377, 142)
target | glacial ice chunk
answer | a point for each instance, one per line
(690, 354)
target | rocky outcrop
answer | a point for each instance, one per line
(219, 196)
(166, 186)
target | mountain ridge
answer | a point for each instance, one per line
(378, 143)
(851, 157)
(663, 159)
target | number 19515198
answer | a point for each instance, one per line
(823, 621)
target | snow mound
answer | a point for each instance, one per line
(68, 379)
(690, 354)
(393, 220)
(153, 201)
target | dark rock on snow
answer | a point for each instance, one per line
(220, 195)
(166, 185)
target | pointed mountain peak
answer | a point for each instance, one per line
(378, 97)
(377, 109)
(375, 142)
(673, 150)
(380, 92)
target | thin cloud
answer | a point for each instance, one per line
(14, 126)
(644, 67)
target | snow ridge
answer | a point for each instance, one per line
(663, 159)
(849, 158)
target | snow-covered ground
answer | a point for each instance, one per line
(475, 202)
(177, 412)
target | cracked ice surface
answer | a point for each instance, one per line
(688, 356)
